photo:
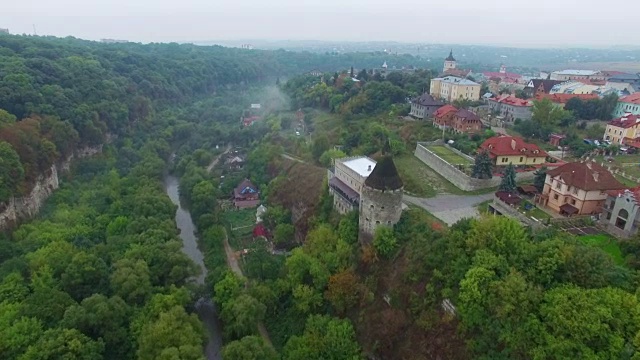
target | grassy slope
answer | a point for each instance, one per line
(607, 243)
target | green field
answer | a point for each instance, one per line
(607, 243)
(449, 155)
(241, 224)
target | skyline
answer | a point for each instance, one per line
(502, 23)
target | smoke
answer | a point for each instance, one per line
(273, 99)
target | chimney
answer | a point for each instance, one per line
(513, 143)
(369, 168)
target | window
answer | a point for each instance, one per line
(573, 201)
(555, 197)
(504, 160)
(521, 158)
(566, 200)
(534, 159)
(558, 185)
(377, 222)
(621, 221)
(575, 190)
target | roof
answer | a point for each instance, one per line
(624, 77)
(450, 57)
(361, 165)
(466, 115)
(444, 110)
(509, 198)
(245, 186)
(384, 176)
(427, 100)
(568, 209)
(625, 122)
(505, 145)
(633, 192)
(633, 99)
(586, 176)
(528, 189)
(346, 190)
(577, 72)
(563, 98)
(260, 230)
(457, 72)
(546, 84)
(457, 80)
(559, 136)
(512, 100)
(490, 74)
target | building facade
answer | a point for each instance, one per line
(466, 122)
(511, 107)
(443, 117)
(346, 180)
(381, 202)
(628, 105)
(505, 150)
(578, 188)
(450, 88)
(566, 75)
(621, 212)
(246, 195)
(539, 86)
(424, 106)
(449, 62)
(625, 128)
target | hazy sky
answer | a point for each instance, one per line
(507, 22)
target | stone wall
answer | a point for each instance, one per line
(458, 178)
(379, 208)
(26, 207)
(507, 210)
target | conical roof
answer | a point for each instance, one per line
(384, 176)
(450, 57)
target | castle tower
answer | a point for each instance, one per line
(381, 198)
(449, 62)
(503, 69)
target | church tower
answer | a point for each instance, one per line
(381, 198)
(449, 62)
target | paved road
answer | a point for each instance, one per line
(449, 208)
(287, 156)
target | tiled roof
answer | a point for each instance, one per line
(512, 100)
(635, 192)
(466, 114)
(384, 176)
(546, 84)
(457, 72)
(577, 72)
(633, 99)
(563, 98)
(505, 145)
(490, 74)
(427, 100)
(444, 110)
(625, 122)
(586, 176)
(246, 183)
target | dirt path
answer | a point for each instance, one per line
(217, 159)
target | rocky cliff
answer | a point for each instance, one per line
(26, 207)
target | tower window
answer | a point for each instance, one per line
(377, 222)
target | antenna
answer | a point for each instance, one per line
(34, 30)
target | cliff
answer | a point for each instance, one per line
(26, 207)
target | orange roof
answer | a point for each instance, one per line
(633, 98)
(563, 98)
(586, 176)
(511, 145)
(633, 191)
(444, 110)
(512, 100)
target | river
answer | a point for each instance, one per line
(205, 308)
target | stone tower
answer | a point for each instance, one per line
(449, 62)
(381, 198)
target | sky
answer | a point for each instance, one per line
(496, 22)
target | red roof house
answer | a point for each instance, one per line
(260, 231)
(443, 117)
(505, 150)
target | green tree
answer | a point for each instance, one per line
(306, 299)
(64, 344)
(131, 280)
(540, 177)
(249, 348)
(342, 291)
(385, 241)
(324, 338)
(327, 157)
(283, 234)
(174, 335)
(545, 113)
(482, 167)
(348, 228)
(6, 118)
(85, 275)
(228, 288)
(242, 315)
(319, 146)
(11, 171)
(508, 182)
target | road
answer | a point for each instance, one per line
(449, 208)
(287, 156)
(217, 159)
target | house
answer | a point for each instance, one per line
(566, 75)
(346, 180)
(539, 86)
(450, 88)
(624, 82)
(260, 231)
(511, 107)
(235, 162)
(555, 139)
(443, 117)
(628, 104)
(250, 120)
(315, 72)
(424, 106)
(625, 128)
(621, 212)
(503, 76)
(466, 122)
(246, 195)
(578, 188)
(505, 150)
